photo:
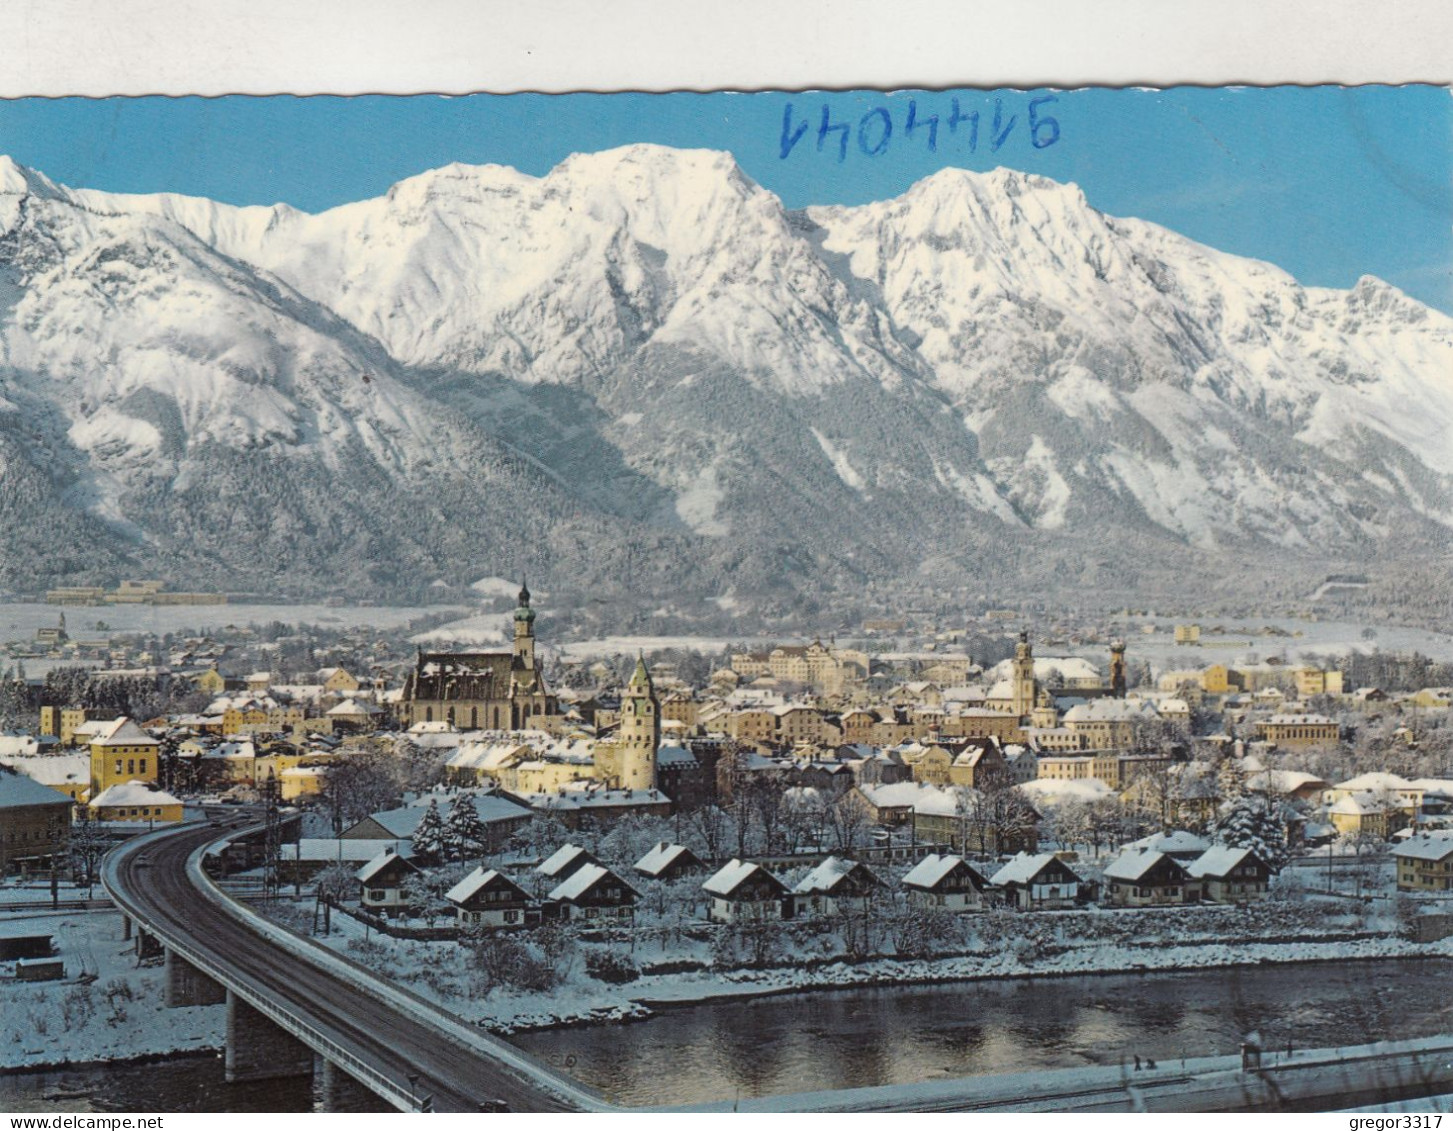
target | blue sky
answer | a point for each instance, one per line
(1328, 183)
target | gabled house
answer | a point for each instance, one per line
(1145, 877)
(381, 882)
(563, 861)
(1425, 862)
(743, 891)
(488, 898)
(1038, 882)
(593, 892)
(835, 886)
(1231, 875)
(947, 882)
(669, 862)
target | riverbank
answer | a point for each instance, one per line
(652, 994)
(108, 1009)
(118, 1016)
(441, 971)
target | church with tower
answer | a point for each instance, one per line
(481, 690)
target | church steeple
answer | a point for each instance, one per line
(1023, 678)
(640, 730)
(524, 630)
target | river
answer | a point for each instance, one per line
(860, 1037)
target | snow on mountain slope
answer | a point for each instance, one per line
(1100, 359)
(485, 269)
(647, 346)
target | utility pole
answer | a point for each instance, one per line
(272, 842)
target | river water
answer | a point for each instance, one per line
(861, 1037)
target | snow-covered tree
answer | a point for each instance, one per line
(464, 835)
(1252, 822)
(429, 836)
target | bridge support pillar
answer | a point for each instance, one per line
(257, 1049)
(334, 1090)
(125, 928)
(186, 985)
(147, 944)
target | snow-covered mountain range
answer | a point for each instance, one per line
(640, 372)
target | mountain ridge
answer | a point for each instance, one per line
(648, 346)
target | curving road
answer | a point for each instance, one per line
(411, 1048)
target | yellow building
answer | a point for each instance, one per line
(122, 752)
(1425, 863)
(62, 722)
(212, 682)
(135, 801)
(1294, 732)
(1188, 634)
(336, 681)
(1314, 681)
(1367, 813)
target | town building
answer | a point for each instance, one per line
(628, 759)
(1038, 882)
(122, 752)
(949, 883)
(35, 823)
(381, 882)
(1425, 862)
(669, 862)
(135, 801)
(1231, 875)
(742, 891)
(593, 892)
(481, 690)
(1148, 878)
(836, 886)
(488, 898)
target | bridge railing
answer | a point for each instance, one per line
(570, 1092)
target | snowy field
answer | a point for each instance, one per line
(1320, 637)
(19, 622)
(116, 1013)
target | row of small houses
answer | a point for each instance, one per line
(584, 889)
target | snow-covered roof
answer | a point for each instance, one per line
(580, 881)
(1437, 845)
(1360, 804)
(478, 879)
(1112, 710)
(122, 732)
(1054, 790)
(562, 858)
(402, 822)
(53, 769)
(675, 756)
(1282, 781)
(1171, 843)
(1217, 861)
(18, 792)
(1023, 868)
(591, 796)
(826, 876)
(931, 870)
(1376, 780)
(133, 793)
(661, 857)
(328, 850)
(377, 864)
(1134, 864)
(733, 874)
(1299, 720)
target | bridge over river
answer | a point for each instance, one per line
(294, 1007)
